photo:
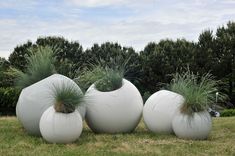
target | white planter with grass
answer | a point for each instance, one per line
(57, 127)
(193, 121)
(159, 111)
(36, 98)
(196, 126)
(117, 111)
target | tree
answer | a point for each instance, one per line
(68, 54)
(161, 60)
(17, 57)
(113, 54)
(225, 54)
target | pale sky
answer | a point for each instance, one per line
(128, 22)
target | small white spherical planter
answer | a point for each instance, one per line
(35, 99)
(197, 126)
(159, 111)
(60, 127)
(117, 111)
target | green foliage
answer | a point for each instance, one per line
(8, 100)
(146, 96)
(39, 66)
(112, 55)
(7, 77)
(105, 78)
(67, 97)
(150, 68)
(199, 92)
(112, 80)
(160, 60)
(227, 113)
(89, 76)
(68, 55)
(18, 57)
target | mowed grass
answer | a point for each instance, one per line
(15, 141)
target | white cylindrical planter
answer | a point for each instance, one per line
(197, 126)
(35, 99)
(117, 111)
(58, 127)
(159, 111)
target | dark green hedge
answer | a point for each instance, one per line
(8, 100)
(227, 112)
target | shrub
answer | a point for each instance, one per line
(8, 100)
(7, 77)
(227, 112)
(199, 92)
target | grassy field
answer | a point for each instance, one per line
(15, 141)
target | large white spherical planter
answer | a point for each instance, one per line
(197, 126)
(117, 111)
(159, 111)
(60, 127)
(35, 99)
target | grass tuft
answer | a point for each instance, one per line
(39, 66)
(105, 77)
(199, 92)
(111, 80)
(67, 97)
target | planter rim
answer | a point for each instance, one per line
(92, 87)
(61, 112)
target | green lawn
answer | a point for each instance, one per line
(15, 141)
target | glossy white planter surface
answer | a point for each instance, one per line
(35, 99)
(197, 126)
(159, 111)
(116, 111)
(60, 127)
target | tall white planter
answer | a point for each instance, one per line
(197, 126)
(117, 111)
(35, 99)
(159, 111)
(60, 127)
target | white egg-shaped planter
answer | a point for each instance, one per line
(197, 126)
(117, 111)
(58, 127)
(35, 99)
(159, 111)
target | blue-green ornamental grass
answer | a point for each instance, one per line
(198, 91)
(39, 66)
(105, 78)
(67, 97)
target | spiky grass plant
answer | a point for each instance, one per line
(199, 92)
(67, 97)
(111, 80)
(39, 66)
(105, 78)
(89, 76)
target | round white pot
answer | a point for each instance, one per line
(60, 127)
(117, 111)
(159, 111)
(35, 99)
(197, 126)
